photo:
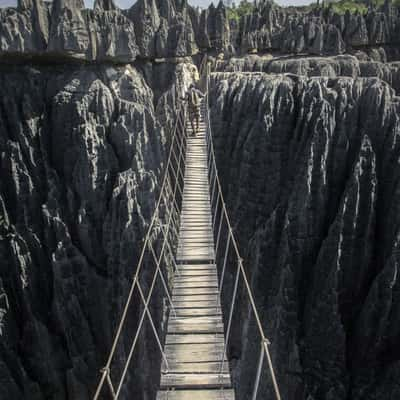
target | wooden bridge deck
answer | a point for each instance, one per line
(195, 337)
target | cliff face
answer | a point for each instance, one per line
(81, 154)
(150, 29)
(308, 151)
(320, 31)
(310, 168)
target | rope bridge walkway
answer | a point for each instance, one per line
(194, 343)
(189, 236)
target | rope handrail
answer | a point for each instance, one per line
(177, 135)
(215, 183)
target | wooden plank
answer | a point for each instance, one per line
(188, 248)
(191, 234)
(195, 254)
(194, 328)
(196, 304)
(194, 339)
(190, 273)
(195, 217)
(191, 249)
(195, 297)
(192, 220)
(198, 312)
(225, 394)
(200, 251)
(197, 266)
(195, 291)
(206, 244)
(195, 285)
(207, 249)
(199, 224)
(192, 245)
(200, 239)
(196, 270)
(194, 320)
(188, 258)
(208, 367)
(173, 350)
(187, 353)
(190, 381)
(195, 281)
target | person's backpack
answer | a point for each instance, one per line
(195, 100)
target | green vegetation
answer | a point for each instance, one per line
(243, 8)
(342, 6)
(360, 6)
(246, 7)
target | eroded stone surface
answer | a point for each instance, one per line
(153, 29)
(311, 176)
(82, 151)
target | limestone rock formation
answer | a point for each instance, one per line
(331, 67)
(213, 31)
(65, 29)
(163, 28)
(153, 29)
(112, 34)
(26, 28)
(311, 176)
(81, 151)
(271, 28)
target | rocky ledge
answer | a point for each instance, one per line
(81, 153)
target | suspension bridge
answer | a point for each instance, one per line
(190, 237)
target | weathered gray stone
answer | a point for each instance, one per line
(81, 156)
(310, 173)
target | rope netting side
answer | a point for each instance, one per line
(164, 225)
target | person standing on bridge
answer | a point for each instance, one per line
(193, 98)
